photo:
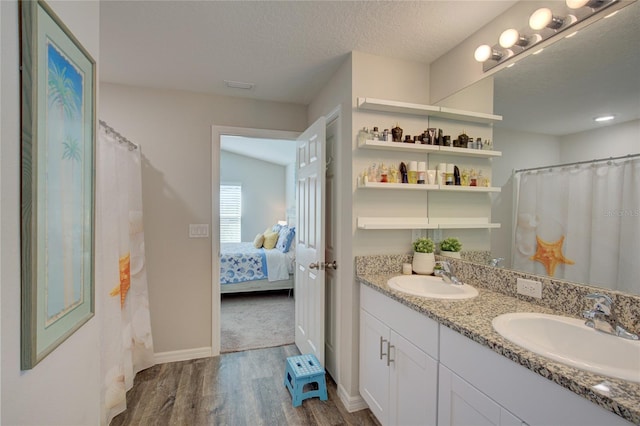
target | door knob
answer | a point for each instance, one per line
(331, 265)
(314, 265)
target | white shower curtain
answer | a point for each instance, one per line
(580, 223)
(126, 346)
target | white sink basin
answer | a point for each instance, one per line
(431, 287)
(569, 341)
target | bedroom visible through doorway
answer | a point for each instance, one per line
(257, 225)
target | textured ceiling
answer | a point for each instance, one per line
(562, 89)
(289, 49)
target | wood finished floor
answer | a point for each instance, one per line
(240, 388)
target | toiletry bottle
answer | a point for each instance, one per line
(479, 143)
(422, 171)
(363, 135)
(456, 176)
(403, 173)
(365, 177)
(396, 134)
(387, 135)
(473, 178)
(441, 173)
(464, 177)
(376, 134)
(413, 172)
(449, 174)
(407, 139)
(384, 173)
(463, 140)
(393, 174)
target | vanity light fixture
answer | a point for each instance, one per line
(544, 24)
(512, 37)
(486, 52)
(577, 4)
(602, 118)
(544, 18)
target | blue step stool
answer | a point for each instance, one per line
(301, 370)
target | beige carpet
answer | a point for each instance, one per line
(256, 320)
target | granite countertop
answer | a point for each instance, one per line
(472, 318)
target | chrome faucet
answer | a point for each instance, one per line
(496, 262)
(602, 318)
(447, 273)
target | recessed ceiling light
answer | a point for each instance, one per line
(572, 34)
(604, 118)
(239, 85)
(612, 14)
(538, 51)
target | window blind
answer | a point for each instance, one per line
(230, 213)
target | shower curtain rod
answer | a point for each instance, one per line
(119, 137)
(575, 163)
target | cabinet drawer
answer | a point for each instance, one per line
(414, 326)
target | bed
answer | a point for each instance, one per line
(244, 268)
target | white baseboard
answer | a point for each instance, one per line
(351, 403)
(182, 355)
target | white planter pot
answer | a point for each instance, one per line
(454, 254)
(423, 263)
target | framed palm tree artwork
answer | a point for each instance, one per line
(57, 182)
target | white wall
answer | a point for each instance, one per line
(607, 141)
(290, 192)
(263, 191)
(64, 388)
(377, 77)
(174, 129)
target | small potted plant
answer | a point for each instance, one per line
(451, 247)
(423, 258)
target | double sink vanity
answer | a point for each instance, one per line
(432, 352)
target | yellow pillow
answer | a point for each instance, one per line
(270, 240)
(258, 241)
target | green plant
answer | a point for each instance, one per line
(451, 244)
(423, 245)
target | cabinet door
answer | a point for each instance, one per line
(413, 384)
(460, 404)
(374, 372)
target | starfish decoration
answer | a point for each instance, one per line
(125, 280)
(550, 255)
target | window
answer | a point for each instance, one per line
(230, 213)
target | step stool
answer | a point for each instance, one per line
(301, 370)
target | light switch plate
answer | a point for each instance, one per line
(199, 230)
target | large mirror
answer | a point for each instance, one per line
(549, 102)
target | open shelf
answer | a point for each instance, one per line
(425, 223)
(428, 149)
(425, 187)
(373, 104)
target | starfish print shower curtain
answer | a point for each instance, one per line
(580, 223)
(121, 280)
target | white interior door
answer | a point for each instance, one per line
(310, 241)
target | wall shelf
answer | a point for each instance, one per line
(425, 187)
(425, 223)
(373, 104)
(428, 149)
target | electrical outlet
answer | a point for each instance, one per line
(529, 288)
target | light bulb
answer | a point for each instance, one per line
(482, 53)
(576, 4)
(509, 37)
(540, 18)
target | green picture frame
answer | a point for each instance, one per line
(58, 124)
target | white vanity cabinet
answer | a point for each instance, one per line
(477, 382)
(460, 404)
(398, 361)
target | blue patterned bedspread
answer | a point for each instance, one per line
(241, 262)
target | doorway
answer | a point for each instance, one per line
(257, 198)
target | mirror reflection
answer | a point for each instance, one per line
(579, 222)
